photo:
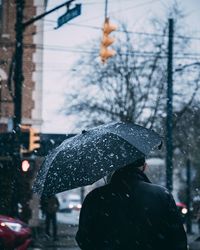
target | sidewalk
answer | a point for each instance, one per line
(193, 239)
(66, 239)
(194, 242)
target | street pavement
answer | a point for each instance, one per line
(194, 242)
(67, 228)
(66, 239)
(194, 238)
(68, 218)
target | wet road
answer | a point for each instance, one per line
(55, 248)
(63, 243)
(67, 231)
(67, 228)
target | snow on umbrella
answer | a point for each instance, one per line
(85, 158)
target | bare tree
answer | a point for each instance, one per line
(186, 145)
(126, 88)
(132, 85)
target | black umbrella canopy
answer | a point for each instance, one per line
(87, 157)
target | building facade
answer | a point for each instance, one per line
(32, 64)
(32, 90)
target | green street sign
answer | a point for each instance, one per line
(70, 14)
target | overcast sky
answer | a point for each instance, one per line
(61, 45)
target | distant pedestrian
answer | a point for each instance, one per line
(49, 206)
(130, 213)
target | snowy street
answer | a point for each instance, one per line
(68, 218)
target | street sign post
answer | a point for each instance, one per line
(70, 14)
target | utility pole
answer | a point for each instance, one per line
(188, 193)
(18, 83)
(18, 74)
(169, 119)
(18, 80)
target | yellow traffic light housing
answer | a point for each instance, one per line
(105, 53)
(24, 138)
(29, 139)
(34, 139)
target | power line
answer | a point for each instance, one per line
(130, 32)
(136, 53)
(71, 49)
(77, 50)
(134, 7)
(55, 47)
(139, 33)
(67, 69)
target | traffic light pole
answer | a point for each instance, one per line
(18, 74)
(18, 83)
(169, 119)
(18, 80)
(34, 19)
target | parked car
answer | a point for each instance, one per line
(69, 203)
(14, 234)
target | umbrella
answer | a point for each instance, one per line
(87, 157)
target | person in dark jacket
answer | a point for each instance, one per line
(49, 206)
(130, 213)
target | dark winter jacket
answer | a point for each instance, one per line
(49, 205)
(130, 213)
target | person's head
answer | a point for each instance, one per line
(139, 164)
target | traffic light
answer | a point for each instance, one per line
(25, 165)
(34, 141)
(105, 53)
(24, 138)
(29, 139)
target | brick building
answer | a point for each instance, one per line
(31, 90)
(32, 63)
